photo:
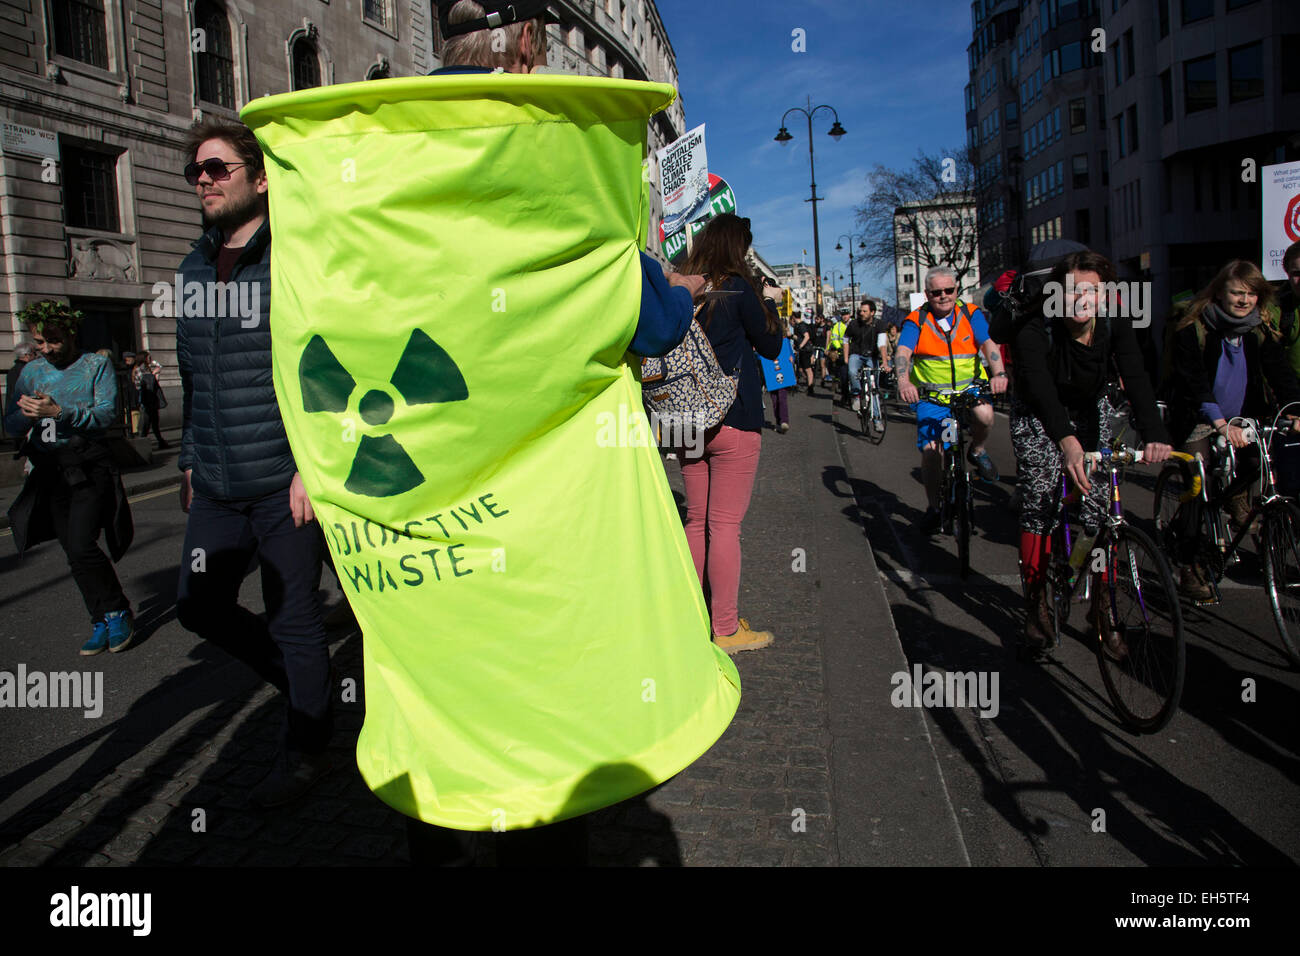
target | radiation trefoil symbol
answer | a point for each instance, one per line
(425, 374)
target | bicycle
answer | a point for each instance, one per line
(1189, 520)
(871, 405)
(956, 502)
(1140, 647)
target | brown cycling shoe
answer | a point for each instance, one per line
(1036, 634)
(1238, 508)
(1192, 584)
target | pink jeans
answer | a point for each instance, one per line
(718, 488)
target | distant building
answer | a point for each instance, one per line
(103, 92)
(935, 234)
(1194, 89)
(1036, 119)
(1138, 152)
(802, 283)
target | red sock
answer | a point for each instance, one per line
(1034, 551)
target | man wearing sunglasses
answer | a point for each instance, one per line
(240, 485)
(938, 350)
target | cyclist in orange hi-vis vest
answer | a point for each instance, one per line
(939, 350)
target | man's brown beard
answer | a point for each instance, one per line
(233, 215)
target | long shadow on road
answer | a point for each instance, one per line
(1060, 722)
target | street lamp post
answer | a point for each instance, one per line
(784, 137)
(853, 282)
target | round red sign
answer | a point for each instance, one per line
(1291, 221)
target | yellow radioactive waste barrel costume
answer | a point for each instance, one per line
(455, 280)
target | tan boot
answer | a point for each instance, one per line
(744, 639)
(1192, 584)
(1238, 508)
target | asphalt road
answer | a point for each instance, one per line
(1220, 784)
(1034, 785)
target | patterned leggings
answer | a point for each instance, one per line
(1038, 460)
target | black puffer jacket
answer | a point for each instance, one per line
(234, 438)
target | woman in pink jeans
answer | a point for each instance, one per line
(719, 482)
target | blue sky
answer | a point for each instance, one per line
(894, 71)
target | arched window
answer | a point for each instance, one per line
(214, 63)
(306, 64)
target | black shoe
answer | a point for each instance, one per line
(810, 391)
(293, 775)
(930, 521)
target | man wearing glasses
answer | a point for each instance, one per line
(240, 485)
(938, 350)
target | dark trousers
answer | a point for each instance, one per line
(289, 649)
(560, 844)
(79, 512)
(149, 417)
(780, 406)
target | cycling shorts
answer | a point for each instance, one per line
(930, 420)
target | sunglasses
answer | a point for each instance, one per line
(218, 170)
(935, 293)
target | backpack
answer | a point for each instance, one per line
(688, 384)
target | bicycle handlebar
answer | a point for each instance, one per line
(1123, 455)
(972, 391)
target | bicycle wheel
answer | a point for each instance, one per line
(864, 413)
(1143, 673)
(1281, 537)
(879, 420)
(962, 520)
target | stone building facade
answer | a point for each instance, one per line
(96, 97)
(928, 234)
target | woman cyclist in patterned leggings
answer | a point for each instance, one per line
(1062, 367)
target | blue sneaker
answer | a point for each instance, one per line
(121, 630)
(98, 642)
(984, 465)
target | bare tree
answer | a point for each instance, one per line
(927, 202)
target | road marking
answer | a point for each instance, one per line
(169, 490)
(145, 496)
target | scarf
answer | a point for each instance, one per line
(1227, 324)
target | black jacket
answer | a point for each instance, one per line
(736, 329)
(31, 516)
(1060, 380)
(233, 437)
(1193, 370)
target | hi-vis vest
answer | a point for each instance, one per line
(536, 643)
(837, 335)
(945, 361)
